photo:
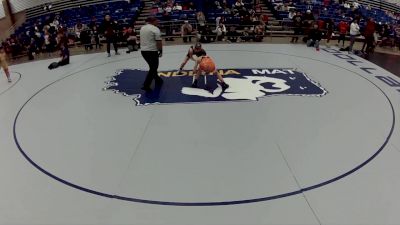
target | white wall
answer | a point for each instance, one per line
(394, 1)
(2, 13)
(21, 5)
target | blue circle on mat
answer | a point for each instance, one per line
(220, 203)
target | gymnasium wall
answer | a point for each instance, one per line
(21, 5)
(397, 2)
(7, 24)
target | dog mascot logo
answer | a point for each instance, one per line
(244, 85)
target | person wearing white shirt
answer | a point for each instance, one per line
(356, 4)
(220, 31)
(354, 32)
(177, 7)
(291, 14)
(151, 49)
(186, 31)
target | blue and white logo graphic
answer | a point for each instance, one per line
(244, 84)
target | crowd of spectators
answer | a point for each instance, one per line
(236, 21)
(45, 37)
(250, 25)
(339, 19)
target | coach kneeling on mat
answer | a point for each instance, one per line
(151, 45)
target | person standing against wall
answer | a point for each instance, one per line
(151, 49)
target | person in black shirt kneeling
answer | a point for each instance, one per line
(314, 37)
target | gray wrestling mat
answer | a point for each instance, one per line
(299, 137)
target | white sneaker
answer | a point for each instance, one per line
(9, 80)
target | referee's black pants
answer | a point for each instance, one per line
(152, 59)
(111, 40)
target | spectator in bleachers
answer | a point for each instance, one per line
(217, 5)
(291, 14)
(239, 4)
(48, 42)
(201, 19)
(86, 39)
(166, 17)
(189, 6)
(388, 36)
(221, 31)
(314, 37)
(79, 27)
(207, 36)
(227, 11)
(325, 12)
(93, 23)
(343, 28)
(186, 31)
(245, 21)
(285, 7)
(246, 35)
(354, 32)
(264, 18)
(258, 9)
(356, 5)
(329, 26)
(259, 33)
(308, 18)
(109, 28)
(32, 49)
(369, 35)
(309, 5)
(95, 37)
(218, 20)
(131, 39)
(232, 34)
(297, 26)
(254, 19)
(56, 22)
(168, 9)
(177, 7)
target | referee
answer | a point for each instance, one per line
(151, 47)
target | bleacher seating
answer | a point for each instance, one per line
(212, 13)
(61, 5)
(121, 11)
(376, 13)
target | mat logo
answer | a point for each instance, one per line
(244, 85)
